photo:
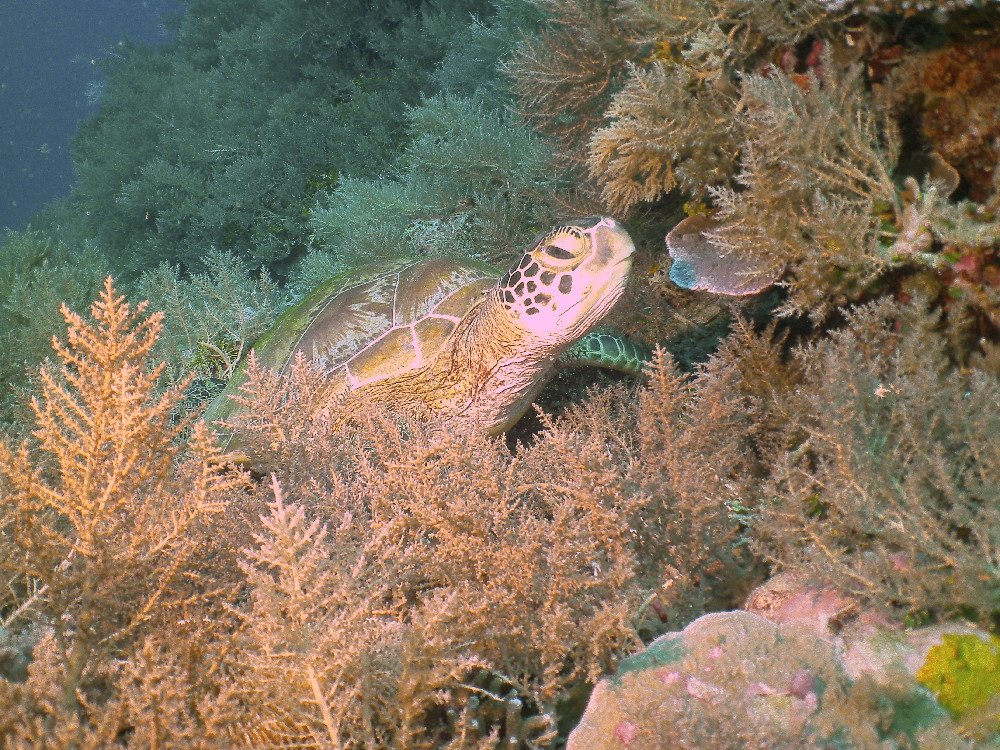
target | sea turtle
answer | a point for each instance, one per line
(447, 334)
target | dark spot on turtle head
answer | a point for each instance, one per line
(531, 310)
(508, 296)
(531, 270)
(505, 280)
(565, 283)
(532, 286)
(513, 278)
(543, 299)
(519, 289)
(547, 277)
(525, 260)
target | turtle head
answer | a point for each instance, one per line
(569, 279)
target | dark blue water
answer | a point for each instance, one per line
(50, 79)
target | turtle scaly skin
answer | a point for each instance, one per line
(438, 335)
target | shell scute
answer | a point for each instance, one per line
(430, 330)
(393, 352)
(370, 326)
(424, 287)
(466, 294)
(347, 323)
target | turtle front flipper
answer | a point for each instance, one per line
(608, 350)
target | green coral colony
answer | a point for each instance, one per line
(445, 334)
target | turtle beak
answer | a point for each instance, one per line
(610, 238)
(610, 262)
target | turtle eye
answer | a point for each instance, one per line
(558, 252)
(563, 245)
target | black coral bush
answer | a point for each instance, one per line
(457, 595)
(469, 182)
(317, 651)
(210, 318)
(108, 527)
(564, 77)
(38, 273)
(395, 585)
(891, 485)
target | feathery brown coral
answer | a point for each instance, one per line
(108, 521)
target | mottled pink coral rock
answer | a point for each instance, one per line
(802, 683)
(626, 733)
(786, 670)
(670, 677)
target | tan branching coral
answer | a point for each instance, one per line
(454, 590)
(443, 559)
(891, 490)
(408, 586)
(107, 520)
(318, 642)
(668, 131)
(565, 77)
(816, 162)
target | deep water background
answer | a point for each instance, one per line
(51, 52)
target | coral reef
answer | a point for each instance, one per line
(785, 673)
(736, 680)
(954, 91)
(786, 123)
(380, 580)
